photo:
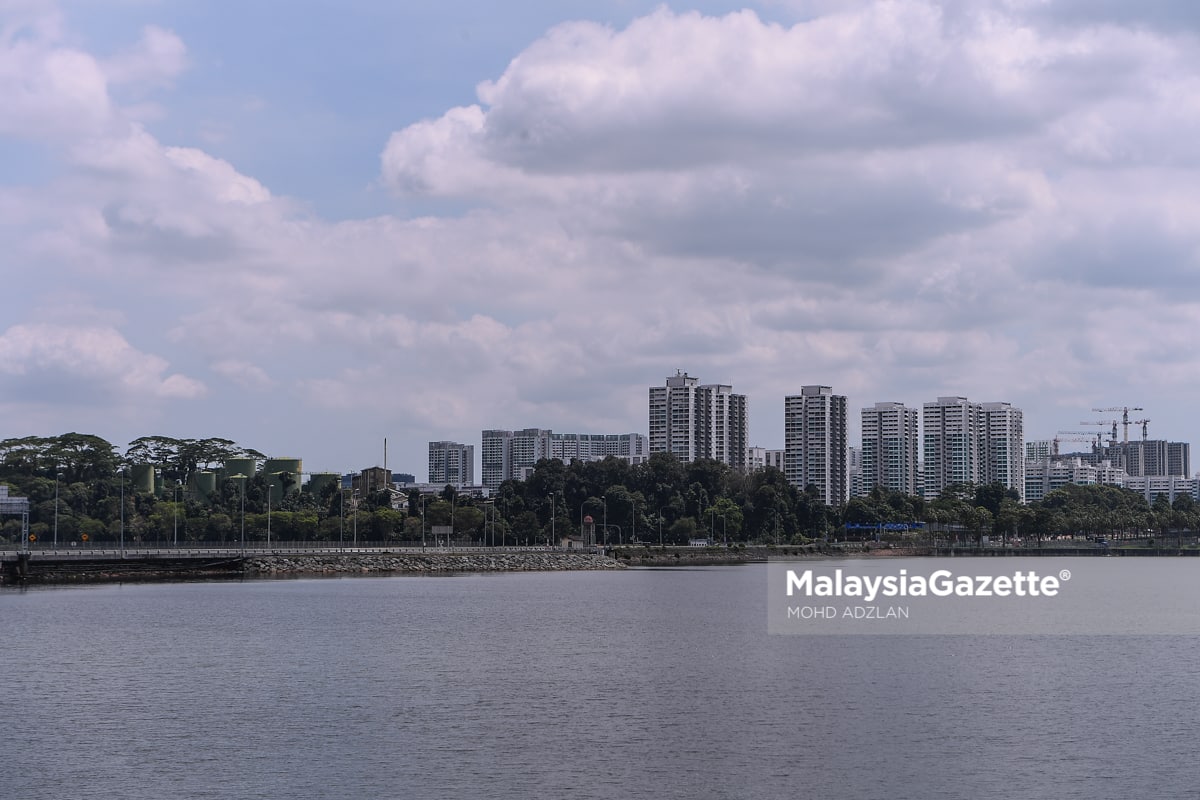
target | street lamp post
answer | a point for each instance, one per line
(122, 512)
(356, 519)
(175, 513)
(270, 488)
(422, 522)
(341, 517)
(56, 477)
(604, 500)
(633, 522)
(553, 538)
(243, 480)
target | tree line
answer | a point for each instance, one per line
(80, 492)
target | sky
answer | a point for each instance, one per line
(311, 226)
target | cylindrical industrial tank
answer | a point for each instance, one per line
(318, 481)
(141, 478)
(276, 467)
(275, 481)
(239, 466)
(204, 483)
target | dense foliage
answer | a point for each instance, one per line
(77, 483)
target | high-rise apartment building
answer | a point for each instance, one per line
(890, 448)
(951, 443)
(1003, 438)
(452, 463)
(568, 447)
(694, 421)
(761, 458)
(975, 443)
(1151, 457)
(512, 454)
(814, 442)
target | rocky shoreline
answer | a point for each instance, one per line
(426, 563)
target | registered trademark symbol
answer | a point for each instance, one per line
(1065, 575)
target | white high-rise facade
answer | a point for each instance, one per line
(568, 447)
(972, 443)
(890, 448)
(452, 463)
(512, 454)
(1003, 446)
(694, 421)
(814, 442)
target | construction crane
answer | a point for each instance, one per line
(1124, 417)
(1112, 422)
(1092, 438)
(1077, 436)
(1143, 423)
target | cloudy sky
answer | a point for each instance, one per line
(308, 226)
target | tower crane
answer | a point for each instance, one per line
(1143, 423)
(1112, 422)
(1078, 436)
(1124, 417)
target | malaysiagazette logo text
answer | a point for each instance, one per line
(940, 583)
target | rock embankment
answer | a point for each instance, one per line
(425, 563)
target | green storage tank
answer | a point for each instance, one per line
(275, 481)
(319, 480)
(239, 466)
(203, 484)
(141, 478)
(277, 467)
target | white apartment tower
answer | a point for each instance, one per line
(814, 442)
(1003, 446)
(890, 448)
(512, 454)
(452, 463)
(694, 421)
(975, 443)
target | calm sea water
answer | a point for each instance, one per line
(643, 683)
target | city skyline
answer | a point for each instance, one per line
(469, 216)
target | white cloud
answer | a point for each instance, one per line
(899, 199)
(244, 374)
(75, 365)
(157, 59)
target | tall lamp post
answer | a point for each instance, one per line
(422, 522)
(604, 500)
(56, 477)
(175, 512)
(270, 488)
(553, 537)
(633, 522)
(356, 518)
(122, 512)
(242, 478)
